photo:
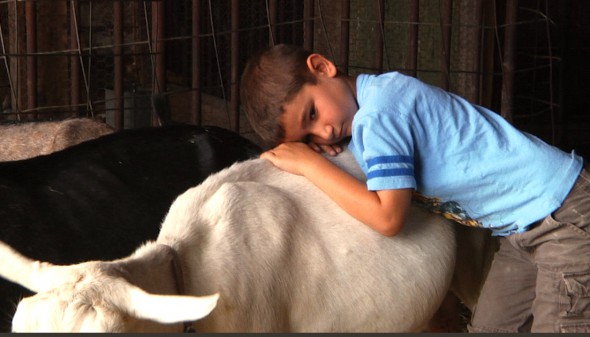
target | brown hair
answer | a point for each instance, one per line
(271, 79)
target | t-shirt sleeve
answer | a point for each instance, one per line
(384, 148)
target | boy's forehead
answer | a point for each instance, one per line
(292, 125)
(293, 118)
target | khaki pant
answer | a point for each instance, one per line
(539, 280)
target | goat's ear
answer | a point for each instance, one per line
(169, 308)
(34, 275)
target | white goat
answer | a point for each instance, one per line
(281, 255)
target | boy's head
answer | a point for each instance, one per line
(271, 79)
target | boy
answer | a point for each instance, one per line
(463, 161)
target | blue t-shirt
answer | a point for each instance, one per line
(463, 160)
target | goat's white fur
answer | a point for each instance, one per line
(282, 256)
(87, 297)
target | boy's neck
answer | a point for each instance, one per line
(351, 81)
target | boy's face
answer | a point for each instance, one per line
(321, 113)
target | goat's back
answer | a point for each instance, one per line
(285, 257)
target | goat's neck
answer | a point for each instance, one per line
(155, 269)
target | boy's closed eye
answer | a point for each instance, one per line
(312, 113)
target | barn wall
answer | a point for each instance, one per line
(525, 59)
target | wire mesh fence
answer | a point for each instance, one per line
(105, 59)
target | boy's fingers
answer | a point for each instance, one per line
(331, 149)
(315, 147)
(337, 148)
(267, 154)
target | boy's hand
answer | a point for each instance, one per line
(332, 150)
(292, 157)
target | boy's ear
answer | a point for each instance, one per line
(319, 65)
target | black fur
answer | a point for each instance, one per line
(102, 198)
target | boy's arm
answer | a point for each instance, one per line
(384, 211)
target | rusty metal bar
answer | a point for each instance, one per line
(476, 56)
(308, 23)
(446, 13)
(477, 78)
(118, 89)
(31, 20)
(272, 20)
(159, 49)
(380, 14)
(234, 71)
(344, 34)
(469, 43)
(197, 111)
(8, 61)
(488, 53)
(412, 58)
(565, 52)
(15, 47)
(508, 63)
(74, 59)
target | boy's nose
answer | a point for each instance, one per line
(325, 132)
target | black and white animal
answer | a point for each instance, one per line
(280, 255)
(102, 198)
